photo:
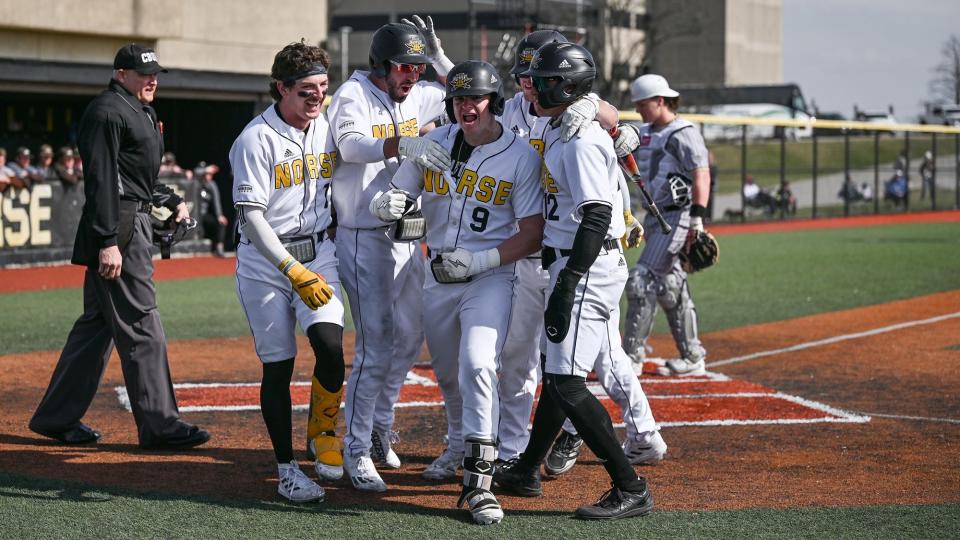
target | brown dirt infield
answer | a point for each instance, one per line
(910, 372)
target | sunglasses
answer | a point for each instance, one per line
(542, 84)
(408, 68)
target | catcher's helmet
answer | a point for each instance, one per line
(399, 42)
(474, 78)
(168, 233)
(570, 65)
(529, 45)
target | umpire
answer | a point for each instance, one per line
(121, 143)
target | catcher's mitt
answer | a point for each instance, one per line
(701, 251)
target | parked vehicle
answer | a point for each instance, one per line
(946, 114)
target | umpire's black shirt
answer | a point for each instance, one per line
(121, 145)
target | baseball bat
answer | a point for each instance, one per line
(630, 166)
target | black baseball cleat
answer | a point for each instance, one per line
(186, 439)
(517, 479)
(563, 456)
(616, 504)
(81, 434)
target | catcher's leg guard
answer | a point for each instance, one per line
(322, 442)
(477, 481)
(673, 293)
(641, 309)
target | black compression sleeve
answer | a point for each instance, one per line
(590, 236)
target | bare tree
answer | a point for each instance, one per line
(945, 85)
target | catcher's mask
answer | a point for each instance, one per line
(168, 232)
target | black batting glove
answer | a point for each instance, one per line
(556, 320)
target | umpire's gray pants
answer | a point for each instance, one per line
(121, 312)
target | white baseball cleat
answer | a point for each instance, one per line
(648, 449)
(328, 460)
(484, 507)
(363, 474)
(382, 449)
(681, 367)
(296, 486)
(444, 467)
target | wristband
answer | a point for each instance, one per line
(698, 211)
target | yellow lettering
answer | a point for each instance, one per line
(546, 180)
(428, 180)
(298, 171)
(326, 164)
(441, 186)
(379, 131)
(503, 191)
(312, 170)
(281, 175)
(39, 212)
(538, 144)
(485, 189)
(410, 128)
(466, 182)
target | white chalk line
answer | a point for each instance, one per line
(835, 339)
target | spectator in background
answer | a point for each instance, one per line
(65, 169)
(849, 191)
(169, 167)
(26, 173)
(44, 164)
(786, 198)
(928, 174)
(756, 197)
(211, 210)
(895, 189)
(866, 190)
(901, 163)
(7, 176)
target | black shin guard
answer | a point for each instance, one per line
(275, 407)
(594, 426)
(326, 339)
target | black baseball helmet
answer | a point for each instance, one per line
(398, 42)
(474, 78)
(571, 65)
(529, 45)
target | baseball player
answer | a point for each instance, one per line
(286, 266)
(582, 252)
(375, 118)
(520, 363)
(481, 218)
(672, 158)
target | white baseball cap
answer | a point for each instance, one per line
(650, 85)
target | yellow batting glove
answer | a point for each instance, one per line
(634, 235)
(311, 287)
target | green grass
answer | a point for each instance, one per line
(35, 508)
(763, 158)
(760, 277)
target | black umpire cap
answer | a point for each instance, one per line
(139, 58)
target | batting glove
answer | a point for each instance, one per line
(441, 63)
(461, 262)
(634, 235)
(556, 319)
(389, 205)
(576, 119)
(425, 152)
(627, 141)
(311, 287)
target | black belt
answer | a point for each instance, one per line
(550, 254)
(144, 207)
(319, 237)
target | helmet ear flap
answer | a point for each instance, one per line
(449, 105)
(497, 103)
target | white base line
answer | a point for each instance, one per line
(921, 418)
(835, 339)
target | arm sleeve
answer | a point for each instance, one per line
(254, 226)
(347, 118)
(409, 177)
(99, 142)
(589, 239)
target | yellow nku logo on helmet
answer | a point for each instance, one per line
(527, 55)
(415, 46)
(460, 81)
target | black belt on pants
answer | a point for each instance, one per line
(144, 207)
(550, 254)
(319, 237)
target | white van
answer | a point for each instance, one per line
(756, 110)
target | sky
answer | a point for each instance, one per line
(872, 53)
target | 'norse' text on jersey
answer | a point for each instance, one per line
(317, 166)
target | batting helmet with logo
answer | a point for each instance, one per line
(562, 73)
(474, 78)
(397, 42)
(529, 45)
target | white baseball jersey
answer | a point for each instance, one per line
(581, 171)
(360, 108)
(478, 206)
(518, 115)
(285, 171)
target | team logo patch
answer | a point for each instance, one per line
(526, 55)
(148, 57)
(346, 124)
(460, 81)
(535, 63)
(245, 188)
(564, 64)
(415, 46)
